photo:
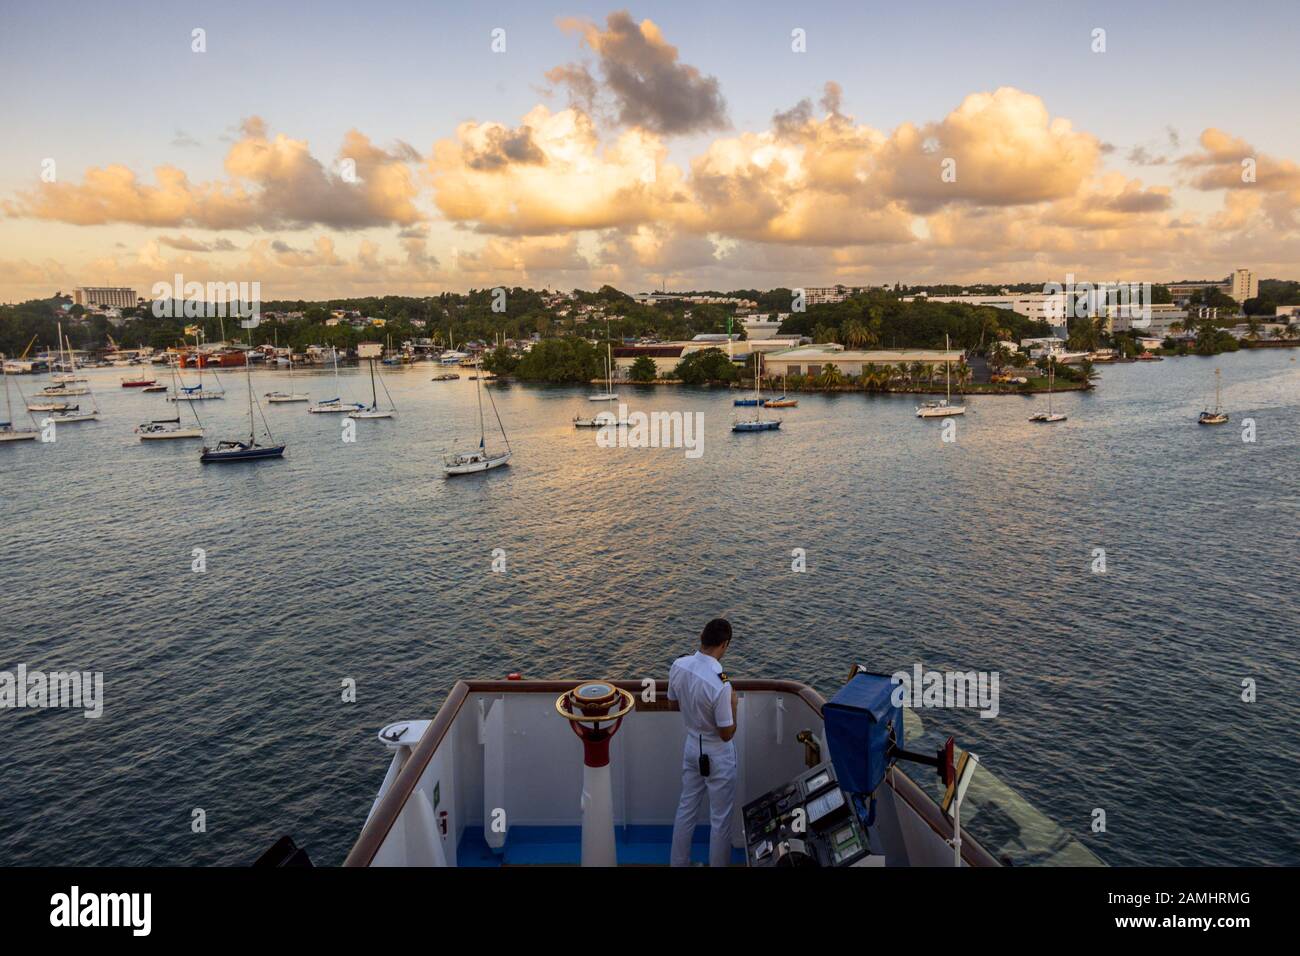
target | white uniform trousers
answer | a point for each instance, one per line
(721, 787)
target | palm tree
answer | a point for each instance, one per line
(1253, 325)
(902, 373)
(918, 371)
(830, 377)
(823, 334)
(963, 372)
(855, 334)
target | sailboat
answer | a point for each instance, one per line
(278, 398)
(74, 414)
(945, 407)
(475, 461)
(227, 451)
(196, 393)
(1048, 416)
(757, 424)
(784, 401)
(1216, 417)
(609, 395)
(373, 410)
(64, 385)
(336, 404)
(160, 429)
(9, 431)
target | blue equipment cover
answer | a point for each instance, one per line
(861, 722)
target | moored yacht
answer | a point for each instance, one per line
(1215, 416)
(944, 407)
(8, 430)
(166, 428)
(468, 463)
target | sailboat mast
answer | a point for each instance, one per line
(478, 390)
(947, 369)
(374, 399)
(248, 374)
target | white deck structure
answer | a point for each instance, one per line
(496, 778)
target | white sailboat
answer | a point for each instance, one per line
(1049, 415)
(479, 460)
(280, 398)
(945, 407)
(65, 384)
(162, 429)
(334, 405)
(609, 395)
(8, 430)
(1217, 416)
(373, 410)
(196, 393)
(74, 414)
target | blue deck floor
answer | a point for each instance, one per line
(637, 845)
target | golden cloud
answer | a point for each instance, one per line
(273, 183)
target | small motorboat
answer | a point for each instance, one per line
(1047, 417)
(596, 421)
(52, 407)
(280, 398)
(781, 402)
(154, 388)
(747, 402)
(226, 451)
(445, 377)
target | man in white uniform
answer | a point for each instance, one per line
(708, 707)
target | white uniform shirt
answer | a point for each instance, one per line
(703, 698)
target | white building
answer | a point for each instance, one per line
(1046, 307)
(764, 325)
(811, 359)
(823, 295)
(87, 296)
(1245, 285)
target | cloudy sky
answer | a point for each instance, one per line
(346, 148)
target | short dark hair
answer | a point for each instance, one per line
(716, 633)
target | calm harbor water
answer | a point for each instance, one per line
(1119, 690)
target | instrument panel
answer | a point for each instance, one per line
(806, 822)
